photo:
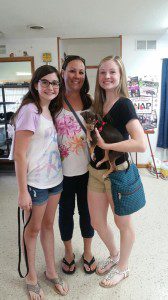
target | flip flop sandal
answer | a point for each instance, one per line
(111, 274)
(57, 280)
(102, 265)
(88, 263)
(69, 265)
(35, 288)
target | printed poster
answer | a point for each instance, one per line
(143, 94)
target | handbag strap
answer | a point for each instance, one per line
(75, 114)
(24, 244)
(131, 157)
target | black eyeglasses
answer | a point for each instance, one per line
(45, 83)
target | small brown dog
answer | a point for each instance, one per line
(109, 134)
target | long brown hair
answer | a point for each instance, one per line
(100, 95)
(32, 94)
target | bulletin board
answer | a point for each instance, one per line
(144, 95)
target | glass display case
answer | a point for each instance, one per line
(11, 95)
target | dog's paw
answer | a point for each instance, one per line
(98, 164)
(104, 176)
(93, 157)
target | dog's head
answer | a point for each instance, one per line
(91, 119)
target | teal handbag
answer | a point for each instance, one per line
(127, 190)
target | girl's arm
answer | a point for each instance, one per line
(136, 143)
(22, 140)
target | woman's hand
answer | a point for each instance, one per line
(100, 142)
(25, 201)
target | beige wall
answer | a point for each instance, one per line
(139, 63)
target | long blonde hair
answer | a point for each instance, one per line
(122, 90)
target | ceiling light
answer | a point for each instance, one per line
(35, 27)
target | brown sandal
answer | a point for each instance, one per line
(35, 288)
(57, 280)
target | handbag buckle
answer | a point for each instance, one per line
(119, 196)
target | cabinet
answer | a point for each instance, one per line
(10, 99)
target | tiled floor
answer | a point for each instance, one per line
(149, 260)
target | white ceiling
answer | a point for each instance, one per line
(83, 18)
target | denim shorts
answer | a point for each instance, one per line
(40, 196)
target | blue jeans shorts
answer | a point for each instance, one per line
(40, 196)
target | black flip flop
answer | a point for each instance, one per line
(88, 263)
(69, 265)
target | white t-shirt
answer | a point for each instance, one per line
(72, 143)
(43, 157)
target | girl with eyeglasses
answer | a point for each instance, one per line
(39, 173)
(75, 158)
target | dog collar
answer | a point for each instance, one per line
(102, 125)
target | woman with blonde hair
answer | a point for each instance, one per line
(112, 103)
